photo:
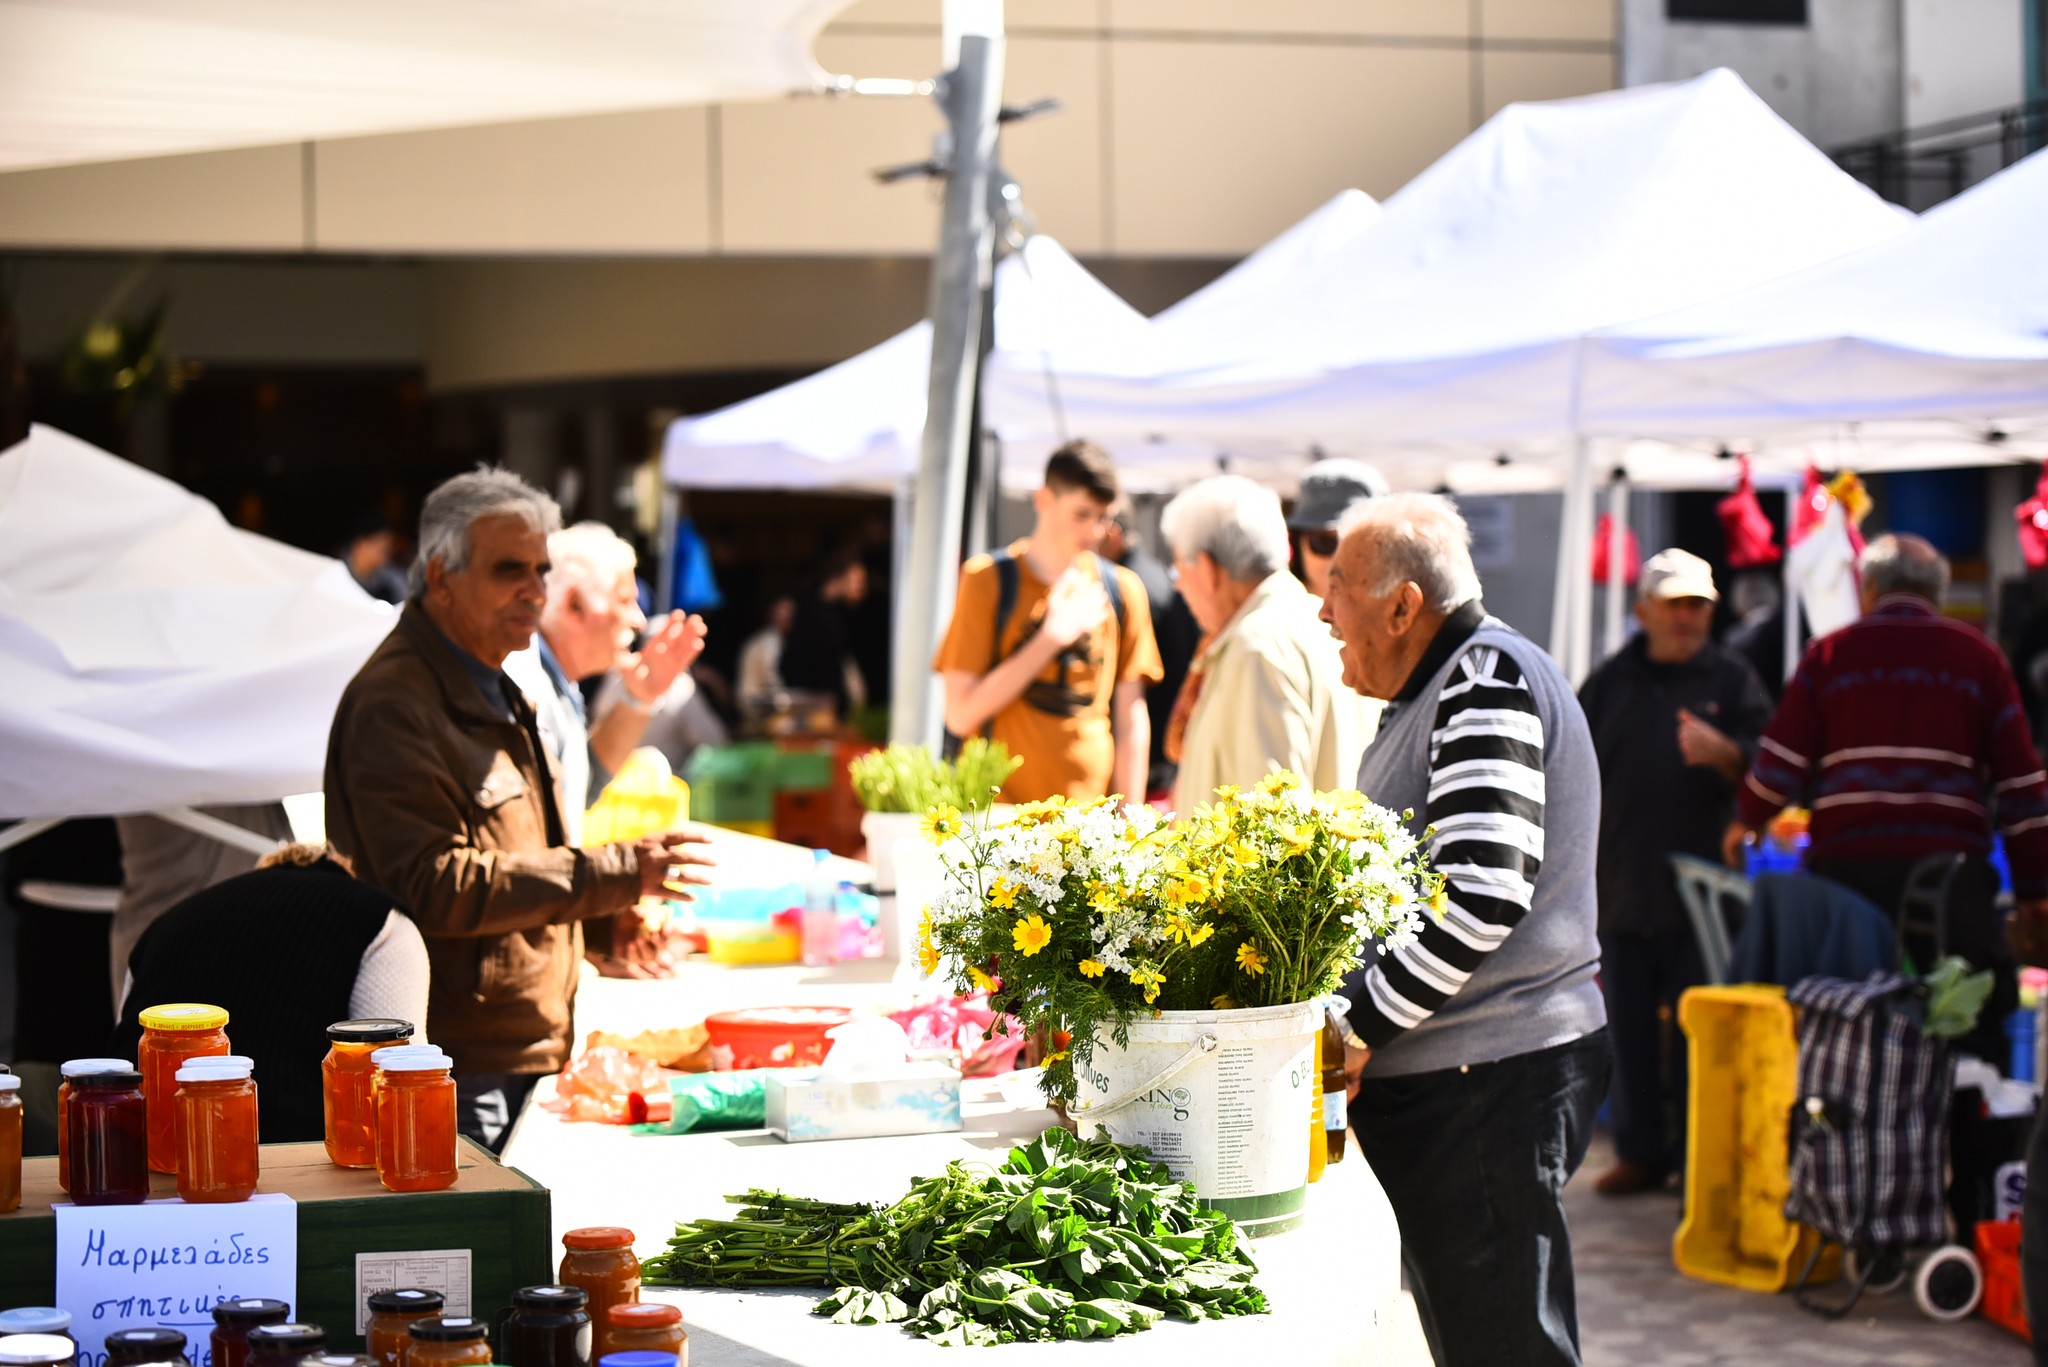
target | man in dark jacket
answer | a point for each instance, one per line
(1674, 719)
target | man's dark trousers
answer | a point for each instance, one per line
(1642, 977)
(1474, 1161)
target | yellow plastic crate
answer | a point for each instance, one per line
(1744, 1045)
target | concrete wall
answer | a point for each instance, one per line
(1963, 57)
(1192, 128)
(1836, 79)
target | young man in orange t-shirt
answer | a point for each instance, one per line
(1050, 647)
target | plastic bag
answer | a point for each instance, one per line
(597, 1083)
(714, 1101)
(987, 1045)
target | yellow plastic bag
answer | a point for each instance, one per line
(642, 799)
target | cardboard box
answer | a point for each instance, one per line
(499, 1214)
(924, 1098)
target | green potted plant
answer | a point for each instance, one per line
(897, 785)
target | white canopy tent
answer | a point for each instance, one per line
(155, 657)
(102, 80)
(855, 426)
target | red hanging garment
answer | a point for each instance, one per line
(1631, 560)
(1752, 542)
(2032, 519)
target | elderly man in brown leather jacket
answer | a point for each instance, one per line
(438, 787)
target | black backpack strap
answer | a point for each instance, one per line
(1006, 601)
(1115, 591)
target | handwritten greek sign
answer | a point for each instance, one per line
(165, 1264)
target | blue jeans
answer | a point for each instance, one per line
(486, 1105)
(1474, 1161)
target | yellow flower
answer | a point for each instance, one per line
(1223, 1001)
(1054, 1057)
(1031, 935)
(1103, 900)
(980, 979)
(1439, 899)
(1250, 960)
(941, 823)
(927, 952)
(1244, 856)
(1003, 894)
(1299, 838)
(1279, 781)
(1228, 791)
(1091, 969)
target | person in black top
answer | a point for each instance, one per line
(1674, 720)
(818, 655)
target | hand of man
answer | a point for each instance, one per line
(669, 867)
(640, 949)
(1732, 840)
(1705, 747)
(1356, 1056)
(2027, 932)
(673, 644)
(1075, 606)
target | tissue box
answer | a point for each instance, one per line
(918, 1098)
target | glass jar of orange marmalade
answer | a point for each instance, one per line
(391, 1318)
(415, 1120)
(599, 1258)
(217, 1149)
(648, 1327)
(346, 1075)
(453, 1341)
(170, 1036)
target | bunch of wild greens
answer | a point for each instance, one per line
(910, 778)
(1069, 1239)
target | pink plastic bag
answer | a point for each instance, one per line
(599, 1083)
(986, 1043)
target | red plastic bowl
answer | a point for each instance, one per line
(773, 1036)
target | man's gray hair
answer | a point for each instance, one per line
(591, 560)
(452, 511)
(1420, 539)
(1236, 522)
(1904, 563)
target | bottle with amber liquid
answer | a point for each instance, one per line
(1318, 1147)
(1335, 1112)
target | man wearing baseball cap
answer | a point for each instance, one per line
(1328, 489)
(1674, 720)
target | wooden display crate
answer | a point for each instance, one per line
(498, 1213)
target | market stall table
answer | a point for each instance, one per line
(1334, 1283)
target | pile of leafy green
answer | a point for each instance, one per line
(1068, 1239)
(910, 778)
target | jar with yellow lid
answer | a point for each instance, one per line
(171, 1035)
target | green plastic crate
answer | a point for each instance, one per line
(803, 770)
(732, 783)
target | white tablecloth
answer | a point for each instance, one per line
(1334, 1283)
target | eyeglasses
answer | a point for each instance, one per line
(1322, 543)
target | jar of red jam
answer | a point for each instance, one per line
(232, 1321)
(647, 1327)
(66, 1072)
(10, 1142)
(217, 1148)
(170, 1035)
(392, 1314)
(548, 1327)
(282, 1345)
(451, 1341)
(415, 1119)
(132, 1347)
(346, 1078)
(109, 1139)
(599, 1258)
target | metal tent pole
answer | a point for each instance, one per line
(970, 95)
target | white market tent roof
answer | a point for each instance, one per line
(1451, 324)
(156, 657)
(1948, 320)
(856, 426)
(101, 80)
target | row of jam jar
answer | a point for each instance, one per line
(389, 1104)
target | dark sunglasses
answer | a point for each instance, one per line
(1323, 543)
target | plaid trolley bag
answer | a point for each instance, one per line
(1870, 1125)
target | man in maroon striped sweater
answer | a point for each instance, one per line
(1904, 734)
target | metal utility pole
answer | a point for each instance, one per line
(970, 95)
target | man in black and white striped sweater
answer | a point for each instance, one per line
(1480, 1049)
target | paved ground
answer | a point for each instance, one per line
(1635, 1310)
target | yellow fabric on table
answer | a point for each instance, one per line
(642, 799)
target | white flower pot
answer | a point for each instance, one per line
(882, 830)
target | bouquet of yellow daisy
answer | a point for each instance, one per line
(1078, 916)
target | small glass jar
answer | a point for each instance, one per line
(131, 1347)
(232, 1321)
(10, 1142)
(641, 1358)
(647, 1327)
(599, 1258)
(346, 1075)
(282, 1345)
(35, 1319)
(71, 1069)
(451, 1341)
(217, 1149)
(415, 1120)
(548, 1327)
(109, 1140)
(392, 1314)
(170, 1035)
(37, 1350)
(338, 1360)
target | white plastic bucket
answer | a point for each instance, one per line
(883, 830)
(1221, 1097)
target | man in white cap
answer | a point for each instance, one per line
(1674, 720)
